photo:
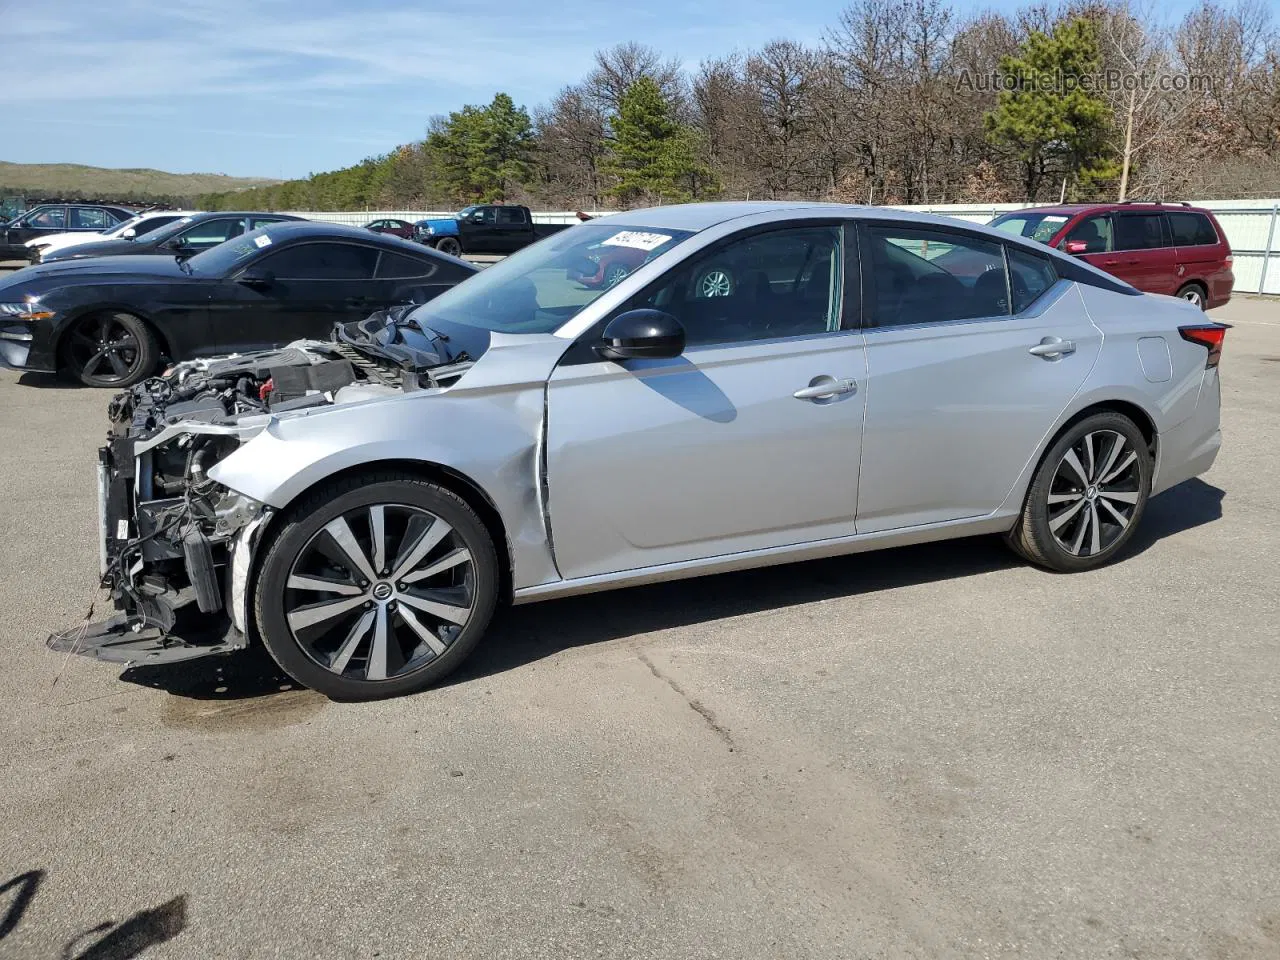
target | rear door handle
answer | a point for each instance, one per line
(825, 388)
(1051, 348)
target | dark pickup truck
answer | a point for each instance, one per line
(491, 228)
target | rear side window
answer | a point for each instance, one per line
(1139, 231)
(510, 215)
(90, 218)
(393, 266)
(926, 276)
(1191, 229)
(1029, 277)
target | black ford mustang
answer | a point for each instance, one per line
(110, 320)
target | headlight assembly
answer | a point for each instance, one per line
(28, 309)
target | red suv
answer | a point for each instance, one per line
(1176, 249)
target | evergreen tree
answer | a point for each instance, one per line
(653, 156)
(1051, 123)
(482, 152)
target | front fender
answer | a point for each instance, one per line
(489, 436)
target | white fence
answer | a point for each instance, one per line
(1250, 226)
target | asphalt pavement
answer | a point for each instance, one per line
(927, 752)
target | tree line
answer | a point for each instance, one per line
(903, 101)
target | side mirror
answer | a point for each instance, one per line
(643, 335)
(257, 278)
(1075, 247)
(130, 234)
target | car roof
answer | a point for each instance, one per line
(300, 229)
(703, 216)
(1072, 209)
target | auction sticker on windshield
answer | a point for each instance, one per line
(262, 241)
(637, 240)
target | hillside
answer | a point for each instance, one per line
(75, 180)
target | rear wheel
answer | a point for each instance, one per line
(1194, 293)
(1087, 497)
(376, 586)
(449, 245)
(615, 275)
(110, 350)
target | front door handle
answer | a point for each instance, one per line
(825, 388)
(1051, 348)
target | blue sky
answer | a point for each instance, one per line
(283, 88)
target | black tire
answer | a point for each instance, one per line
(110, 349)
(1060, 535)
(299, 655)
(450, 245)
(1195, 293)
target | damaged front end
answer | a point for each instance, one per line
(175, 546)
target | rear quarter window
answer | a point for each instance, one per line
(1191, 229)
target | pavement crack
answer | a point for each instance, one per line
(703, 711)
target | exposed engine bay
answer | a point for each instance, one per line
(175, 544)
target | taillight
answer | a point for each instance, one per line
(1208, 335)
(1229, 260)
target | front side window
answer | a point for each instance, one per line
(322, 261)
(256, 222)
(786, 283)
(1139, 231)
(542, 287)
(1094, 232)
(1191, 229)
(210, 233)
(53, 218)
(90, 218)
(928, 276)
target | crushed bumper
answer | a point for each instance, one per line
(177, 576)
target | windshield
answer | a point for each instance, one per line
(544, 286)
(1037, 226)
(168, 230)
(226, 256)
(465, 212)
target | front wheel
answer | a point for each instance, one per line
(449, 245)
(376, 586)
(1087, 497)
(110, 350)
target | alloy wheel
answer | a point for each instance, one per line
(104, 349)
(1192, 295)
(615, 275)
(715, 283)
(380, 592)
(449, 246)
(1094, 493)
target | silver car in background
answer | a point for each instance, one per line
(764, 383)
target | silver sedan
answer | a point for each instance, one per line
(755, 383)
